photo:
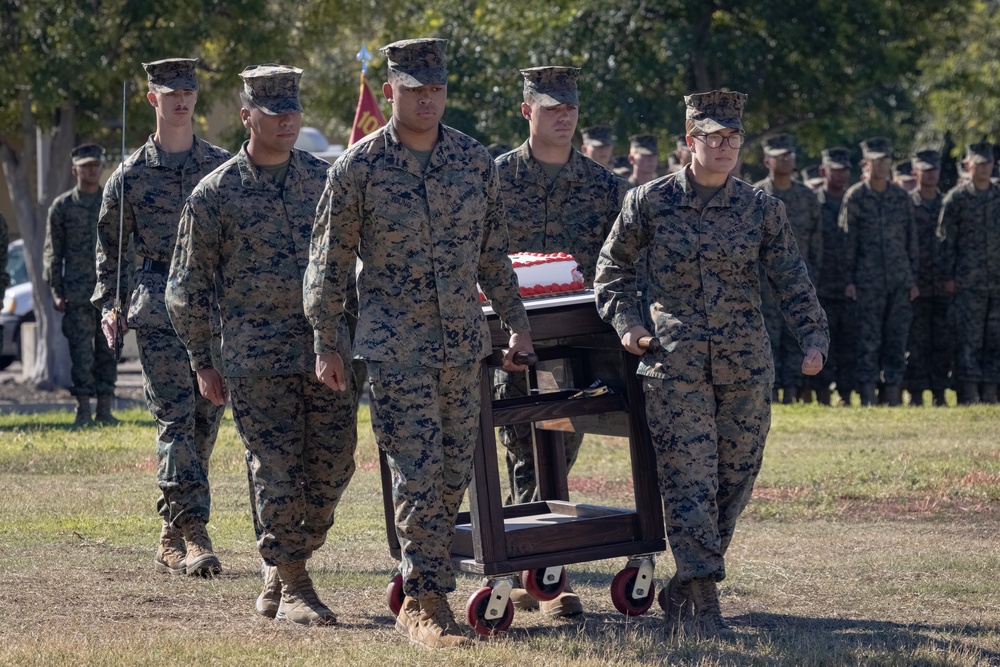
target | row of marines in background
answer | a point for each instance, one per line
(910, 283)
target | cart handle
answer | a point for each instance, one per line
(649, 343)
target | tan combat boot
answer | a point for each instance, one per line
(707, 621)
(82, 412)
(170, 552)
(566, 605)
(521, 598)
(676, 604)
(201, 561)
(299, 602)
(269, 599)
(430, 622)
(104, 416)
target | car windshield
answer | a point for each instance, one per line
(16, 269)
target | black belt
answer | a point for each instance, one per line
(152, 265)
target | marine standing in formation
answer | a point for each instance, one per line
(70, 238)
(929, 345)
(556, 201)
(802, 210)
(840, 364)
(970, 261)
(599, 144)
(880, 260)
(248, 225)
(708, 389)
(420, 203)
(644, 156)
(158, 179)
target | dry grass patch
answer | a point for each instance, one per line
(870, 541)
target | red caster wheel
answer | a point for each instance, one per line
(534, 582)
(477, 608)
(394, 594)
(621, 593)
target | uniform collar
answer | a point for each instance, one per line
(577, 170)
(76, 193)
(728, 196)
(252, 177)
(154, 154)
(398, 156)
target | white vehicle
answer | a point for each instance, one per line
(18, 304)
(19, 307)
(313, 141)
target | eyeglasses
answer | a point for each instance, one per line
(715, 140)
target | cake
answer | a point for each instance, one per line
(540, 274)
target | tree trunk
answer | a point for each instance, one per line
(52, 362)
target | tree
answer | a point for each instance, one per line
(959, 74)
(831, 71)
(64, 66)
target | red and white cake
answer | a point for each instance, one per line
(540, 274)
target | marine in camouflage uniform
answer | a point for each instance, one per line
(249, 225)
(802, 210)
(708, 389)
(880, 261)
(556, 201)
(70, 238)
(551, 206)
(969, 229)
(644, 156)
(420, 203)
(599, 144)
(929, 347)
(840, 365)
(157, 182)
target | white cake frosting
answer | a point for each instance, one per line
(540, 274)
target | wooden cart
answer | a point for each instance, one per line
(536, 539)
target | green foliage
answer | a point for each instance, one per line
(960, 72)
(831, 71)
(80, 52)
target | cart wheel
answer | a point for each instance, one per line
(394, 594)
(621, 593)
(475, 611)
(538, 589)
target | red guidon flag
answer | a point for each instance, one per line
(368, 117)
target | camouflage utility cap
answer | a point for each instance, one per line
(644, 144)
(170, 74)
(809, 173)
(274, 88)
(418, 62)
(926, 160)
(598, 135)
(681, 143)
(716, 110)
(837, 157)
(979, 153)
(875, 148)
(779, 144)
(551, 86)
(87, 153)
(903, 169)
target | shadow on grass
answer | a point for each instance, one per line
(846, 635)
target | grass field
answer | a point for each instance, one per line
(873, 539)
